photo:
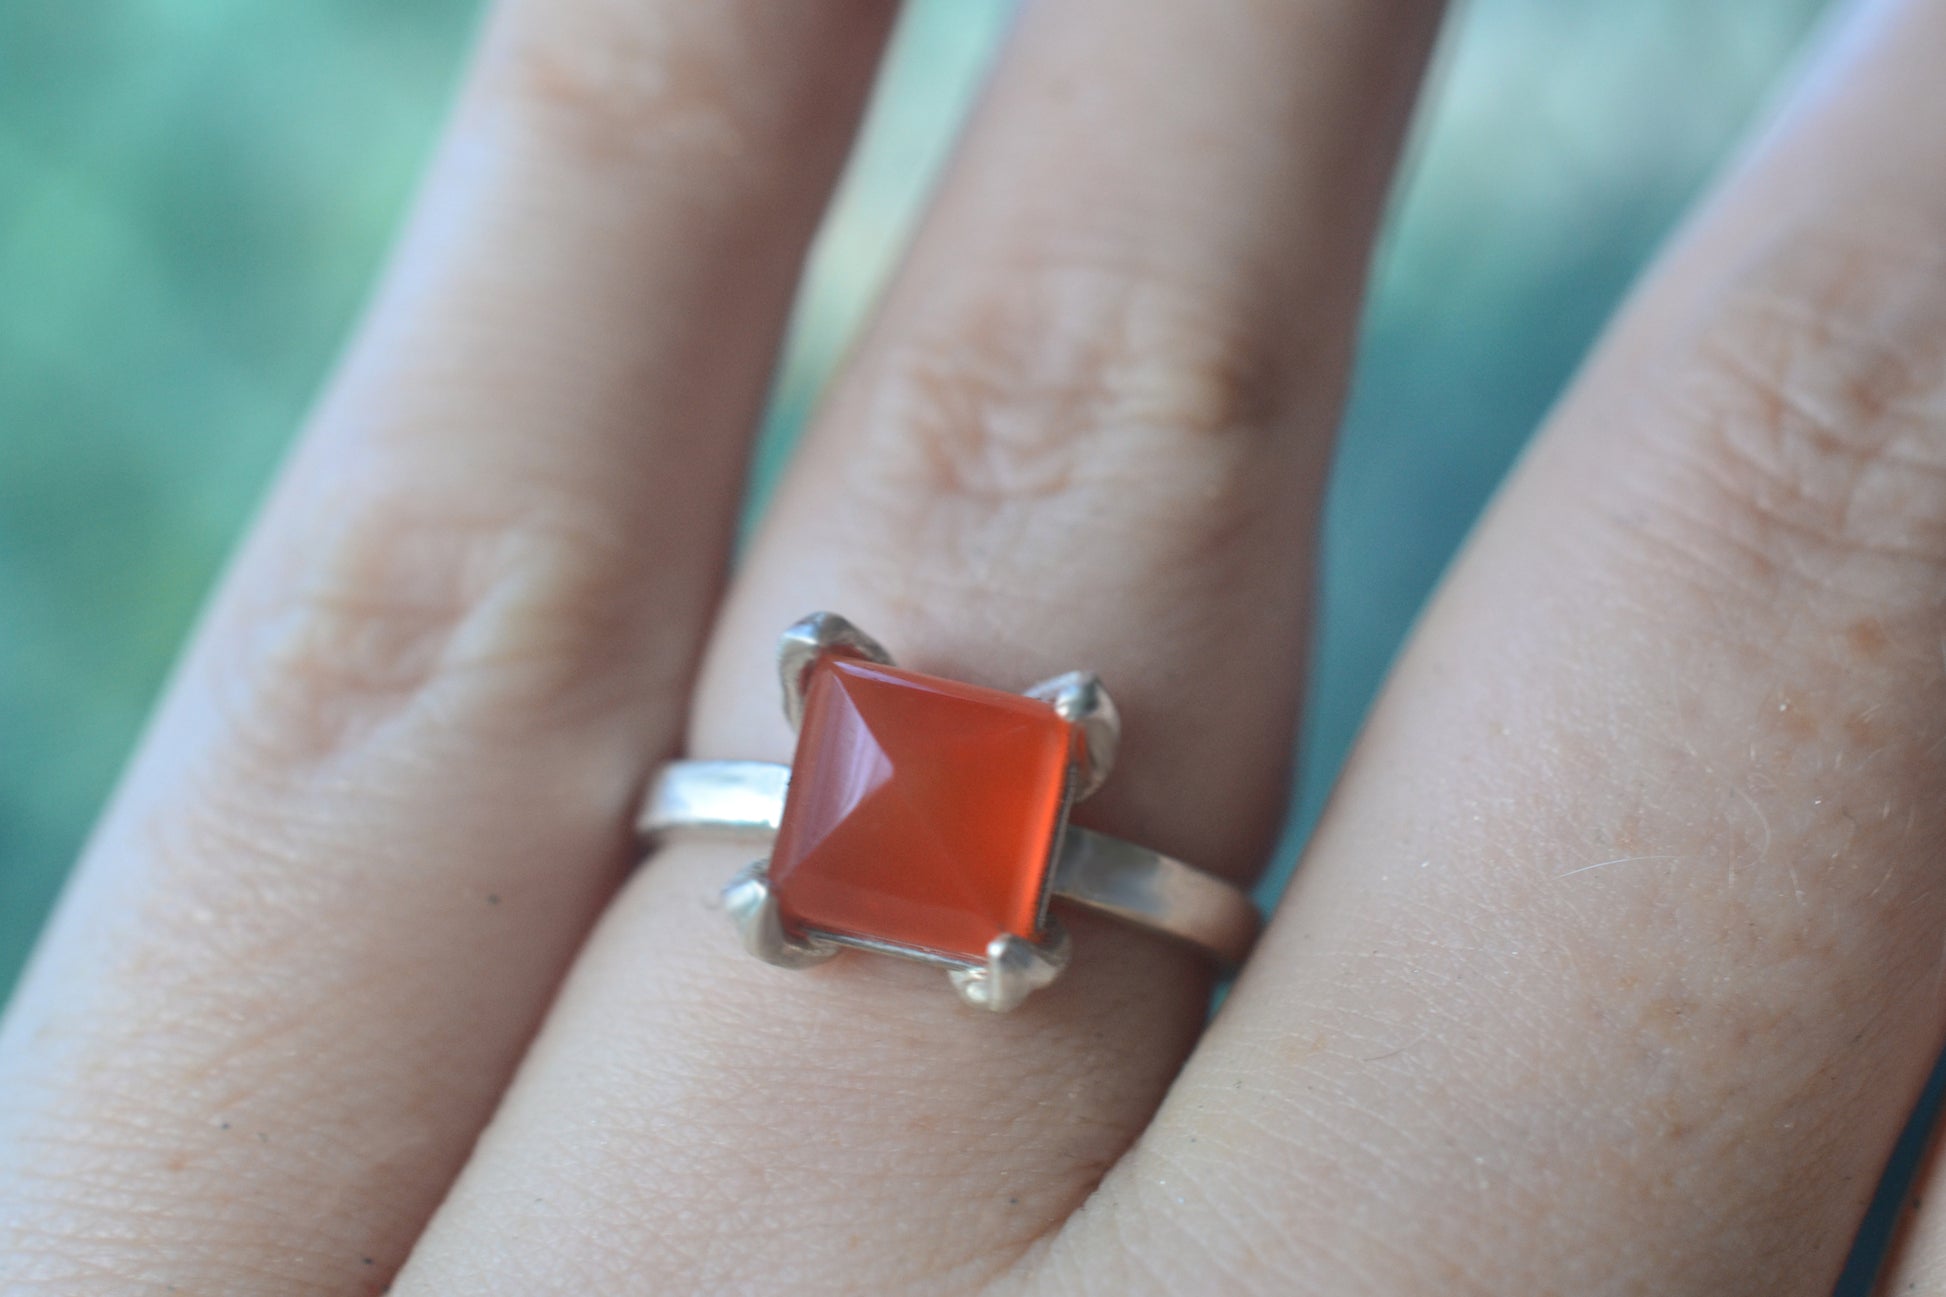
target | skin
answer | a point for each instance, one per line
(1615, 966)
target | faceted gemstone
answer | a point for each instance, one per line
(921, 811)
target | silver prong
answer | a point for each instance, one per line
(1015, 969)
(1083, 701)
(798, 649)
(753, 908)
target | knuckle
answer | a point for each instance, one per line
(402, 608)
(1073, 430)
(616, 82)
(1075, 376)
(1811, 411)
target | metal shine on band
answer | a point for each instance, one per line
(979, 783)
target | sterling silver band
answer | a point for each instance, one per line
(744, 800)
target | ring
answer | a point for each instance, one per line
(928, 819)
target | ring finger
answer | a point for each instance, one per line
(1089, 431)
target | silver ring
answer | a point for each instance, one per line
(928, 820)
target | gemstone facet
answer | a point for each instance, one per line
(922, 813)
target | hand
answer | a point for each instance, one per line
(1615, 966)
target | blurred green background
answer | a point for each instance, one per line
(194, 194)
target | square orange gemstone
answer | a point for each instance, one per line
(921, 813)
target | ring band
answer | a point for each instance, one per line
(744, 800)
(928, 819)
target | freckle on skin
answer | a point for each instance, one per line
(1867, 638)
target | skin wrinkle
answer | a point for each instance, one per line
(129, 1242)
(233, 1080)
(639, 87)
(411, 612)
(1818, 392)
(1004, 436)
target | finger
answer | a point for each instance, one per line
(1088, 431)
(391, 785)
(1616, 965)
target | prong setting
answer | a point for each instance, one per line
(1060, 761)
(1083, 701)
(1015, 969)
(798, 649)
(752, 907)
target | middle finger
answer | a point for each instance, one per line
(1616, 964)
